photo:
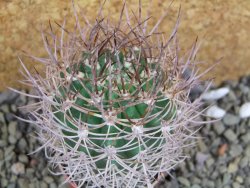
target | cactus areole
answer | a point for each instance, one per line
(113, 106)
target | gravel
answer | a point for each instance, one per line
(17, 168)
(220, 160)
(222, 157)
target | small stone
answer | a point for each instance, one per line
(236, 185)
(23, 183)
(18, 168)
(247, 151)
(230, 119)
(232, 167)
(235, 150)
(12, 127)
(218, 127)
(8, 96)
(11, 185)
(48, 179)
(222, 149)
(3, 143)
(1, 155)
(184, 181)
(2, 119)
(43, 185)
(202, 146)
(239, 179)
(52, 185)
(244, 111)
(22, 144)
(244, 162)
(215, 94)
(226, 178)
(230, 135)
(201, 158)
(195, 186)
(246, 138)
(209, 162)
(12, 140)
(5, 108)
(30, 172)
(23, 158)
(215, 112)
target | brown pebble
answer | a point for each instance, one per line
(222, 149)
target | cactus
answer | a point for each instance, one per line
(113, 108)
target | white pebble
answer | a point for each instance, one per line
(215, 112)
(245, 110)
(215, 94)
(18, 168)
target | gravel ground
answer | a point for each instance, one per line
(221, 160)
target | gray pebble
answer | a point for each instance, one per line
(2, 119)
(30, 172)
(22, 144)
(4, 108)
(235, 150)
(231, 119)
(218, 127)
(48, 179)
(230, 135)
(12, 128)
(236, 185)
(244, 162)
(226, 179)
(195, 186)
(3, 143)
(246, 138)
(247, 151)
(23, 183)
(23, 158)
(12, 139)
(52, 185)
(11, 185)
(184, 181)
(209, 162)
(43, 185)
(4, 182)
(8, 96)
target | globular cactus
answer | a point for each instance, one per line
(114, 106)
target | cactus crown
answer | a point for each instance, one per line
(114, 108)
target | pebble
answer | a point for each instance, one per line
(218, 127)
(246, 138)
(215, 94)
(18, 168)
(12, 127)
(244, 111)
(236, 185)
(235, 150)
(23, 158)
(239, 179)
(232, 167)
(184, 181)
(231, 119)
(48, 179)
(230, 135)
(226, 178)
(8, 97)
(22, 144)
(215, 112)
(244, 162)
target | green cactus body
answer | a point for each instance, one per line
(114, 109)
(120, 110)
